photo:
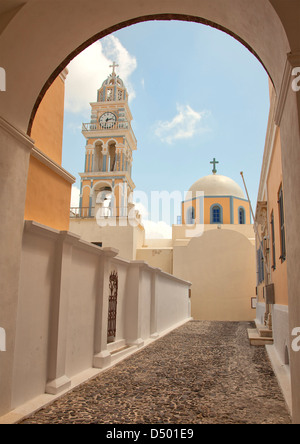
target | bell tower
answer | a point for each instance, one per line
(106, 184)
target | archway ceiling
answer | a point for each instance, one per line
(40, 37)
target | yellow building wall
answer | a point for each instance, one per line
(48, 194)
(279, 276)
(224, 202)
(48, 197)
(47, 129)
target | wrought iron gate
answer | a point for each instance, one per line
(112, 306)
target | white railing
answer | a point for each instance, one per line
(105, 126)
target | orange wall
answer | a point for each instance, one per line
(47, 129)
(48, 194)
(225, 202)
(279, 276)
(241, 203)
(48, 197)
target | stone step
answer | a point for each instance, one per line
(256, 339)
(263, 331)
(121, 352)
(117, 345)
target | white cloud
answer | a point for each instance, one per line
(186, 124)
(157, 230)
(90, 68)
(153, 230)
(75, 195)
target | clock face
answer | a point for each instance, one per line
(107, 119)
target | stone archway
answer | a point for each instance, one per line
(37, 40)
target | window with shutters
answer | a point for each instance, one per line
(282, 225)
(260, 266)
(273, 242)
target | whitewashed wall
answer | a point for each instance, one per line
(63, 309)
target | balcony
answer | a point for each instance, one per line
(106, 127)
(106, 213)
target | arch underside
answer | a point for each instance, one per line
(117, 27)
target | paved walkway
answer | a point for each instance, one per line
(201, 373)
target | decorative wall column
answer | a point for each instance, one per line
(15, 148)
(287, 116)
(153, 315)
(133, 331)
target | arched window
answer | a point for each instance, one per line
(112, 157)
(216, 214)
(242, 218)
(190, 217)
(98, 157)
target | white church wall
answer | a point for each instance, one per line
(63, 309)
(125, 238)
(223, 284)
(157, 257)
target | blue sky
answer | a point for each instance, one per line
(195, 94)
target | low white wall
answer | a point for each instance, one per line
(63, 309)
(172, 307)
(281, 332)
(281, 335)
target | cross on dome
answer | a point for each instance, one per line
(114, 66)
(214, 163)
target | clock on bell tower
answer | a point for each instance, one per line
(106, 184)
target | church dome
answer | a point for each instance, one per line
(113, 80)
(217, 185)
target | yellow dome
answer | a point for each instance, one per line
(217, 185)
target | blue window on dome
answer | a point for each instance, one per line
(242, 219)
(216, 214)
(191, 216)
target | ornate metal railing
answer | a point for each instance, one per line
(112, 306)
